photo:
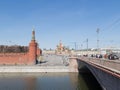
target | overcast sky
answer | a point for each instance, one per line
(66, 20)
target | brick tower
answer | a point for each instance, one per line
(32, 50)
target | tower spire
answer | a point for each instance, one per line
(33, 33)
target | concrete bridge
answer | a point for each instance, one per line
(106, 72)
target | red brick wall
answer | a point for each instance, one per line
(28, 58)
(39, 51)
(13, 58)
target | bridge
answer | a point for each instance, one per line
(106, 72)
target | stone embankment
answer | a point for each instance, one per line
(48, 63)
(32, 69)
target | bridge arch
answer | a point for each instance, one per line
(84, 68)
(107, 79)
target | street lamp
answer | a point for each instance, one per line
(97, 38)
(87, 43)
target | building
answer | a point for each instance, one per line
(109, 50)
(61, 49)
(28, 58)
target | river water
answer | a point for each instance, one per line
(47, 81)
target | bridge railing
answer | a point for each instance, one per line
(111, 64)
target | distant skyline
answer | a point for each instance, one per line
(71, 21)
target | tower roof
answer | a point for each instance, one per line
(33, 34)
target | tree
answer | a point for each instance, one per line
(13, 49)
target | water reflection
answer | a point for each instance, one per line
(43, 81)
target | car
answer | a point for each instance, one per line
(99, 56)
(113, 56)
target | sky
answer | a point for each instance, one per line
(71, 21)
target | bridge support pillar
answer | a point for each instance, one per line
(73, 66)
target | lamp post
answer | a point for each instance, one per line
(97, 39)
(81, 46)
(87, 43)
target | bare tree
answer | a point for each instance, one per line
(13, 49)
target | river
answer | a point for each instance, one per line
(47, 81)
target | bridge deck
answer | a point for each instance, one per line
(110, 66)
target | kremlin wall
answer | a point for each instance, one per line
(28, 58)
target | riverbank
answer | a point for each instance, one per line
(49, 63)
(33, 69)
